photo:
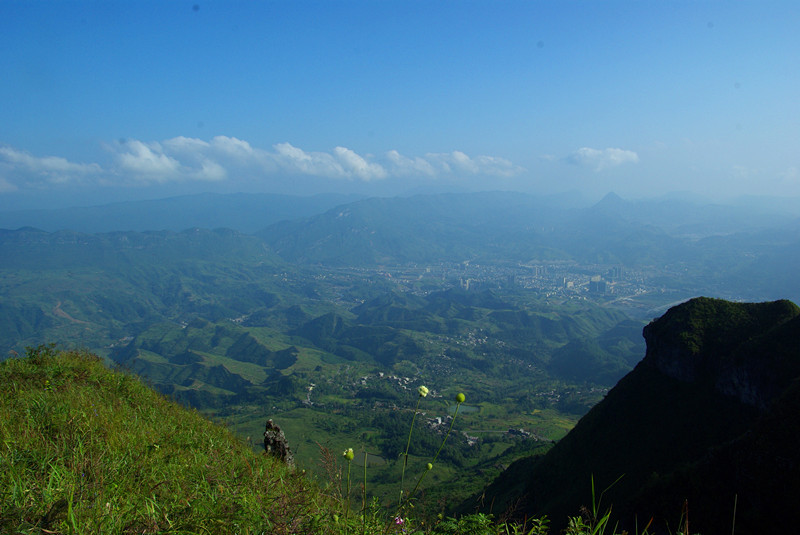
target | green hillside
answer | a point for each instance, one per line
(338, 377)
(88, 450)
(94, 290)
(215, 321)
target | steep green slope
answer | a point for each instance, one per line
(717, 377)
(93, 290)
(449, 336)
(88, 450)
(338, 377)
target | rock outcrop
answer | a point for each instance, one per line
(275, 443)
(736, 347)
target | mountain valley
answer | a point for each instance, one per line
(328, 324)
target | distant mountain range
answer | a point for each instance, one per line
(742, 251)
(251, 212)
(746, 252)
(705, 423)
(513, 227)
(245, 212)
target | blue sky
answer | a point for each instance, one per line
(111, 100)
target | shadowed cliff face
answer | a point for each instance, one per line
(736, 347)
(701, 417)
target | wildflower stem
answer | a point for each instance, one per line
(364, 518)
(405, 455)
(347, 496)
(430, 464)
(448, 433)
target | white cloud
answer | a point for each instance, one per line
(183, 158)
(210, 170)
(185, 145)
(346, 163)
(25, 170)
(147, 161)
(463, 163)
(233, 146)
(492, 165)
(459, 163)
(343, 163)
(225, 154)
(296, 160)
(177, 159)
(402, 165)
(51, 169)
(186, 159)
(353, 164)
(602, 159)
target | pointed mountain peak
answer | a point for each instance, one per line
(611, 204)
(612, 199)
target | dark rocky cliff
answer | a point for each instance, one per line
(726, 344)
(707, 418)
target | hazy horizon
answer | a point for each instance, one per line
(106, 102)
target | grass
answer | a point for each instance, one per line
(87, 450)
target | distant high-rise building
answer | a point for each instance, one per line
(597, 285)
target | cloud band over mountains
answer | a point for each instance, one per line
(184, 159)
(600, 160)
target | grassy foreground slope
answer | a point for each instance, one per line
(90, 450)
